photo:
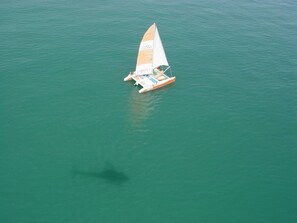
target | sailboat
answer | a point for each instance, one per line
(152, 65)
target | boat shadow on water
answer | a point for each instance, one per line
(109, 174)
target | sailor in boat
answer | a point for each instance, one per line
(159, 74)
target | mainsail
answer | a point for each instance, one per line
(151, 53)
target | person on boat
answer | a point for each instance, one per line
(159, 73)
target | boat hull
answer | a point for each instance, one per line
(158, 85)
(128, 78)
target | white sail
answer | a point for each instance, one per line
(159, 56)
(151, 53)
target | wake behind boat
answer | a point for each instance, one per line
(152, 65)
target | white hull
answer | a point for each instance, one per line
(128, 78)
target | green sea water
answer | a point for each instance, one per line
(77, 144)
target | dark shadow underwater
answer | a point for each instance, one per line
(108, 173)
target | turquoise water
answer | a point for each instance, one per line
(77, 144)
